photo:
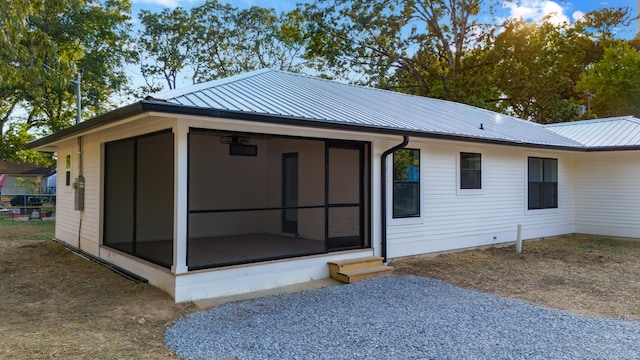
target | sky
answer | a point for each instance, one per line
(530, 10)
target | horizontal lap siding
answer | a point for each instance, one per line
(67, 219)
(451, 221)
(91, 214)
(70, 222)
(608, 193)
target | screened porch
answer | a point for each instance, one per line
(251, 197)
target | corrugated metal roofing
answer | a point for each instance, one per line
(278, 93)
(621, 131)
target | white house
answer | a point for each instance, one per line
(258, 180)
(22, 178)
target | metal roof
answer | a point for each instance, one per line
(278, 93)
(612, 132)
(274, 96)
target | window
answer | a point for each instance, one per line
(406, 183)
(470, 170)
(543, 183)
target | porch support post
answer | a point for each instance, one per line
(180, 216)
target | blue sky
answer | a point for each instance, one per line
(529, 9)
(532, 10)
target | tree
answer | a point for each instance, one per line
(602, 25)
(265, 40)
(216, 40)
(536, 67)
(42, 47)
(615, 80)
(213, 54)
(165, 45)
(427, 48)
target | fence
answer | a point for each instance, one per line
(28, 206)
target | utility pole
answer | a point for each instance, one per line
(79, 96)
(590, 96)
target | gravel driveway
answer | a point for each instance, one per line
(396, 317)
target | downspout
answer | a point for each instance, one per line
(79, 184)
(383, 199)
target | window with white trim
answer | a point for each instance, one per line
(470, 170)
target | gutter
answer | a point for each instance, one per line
(383, 192)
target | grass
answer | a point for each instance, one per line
(26, 230)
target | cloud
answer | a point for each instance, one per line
(536, 10)
(168, 3)
(165, 3)
(577, 15)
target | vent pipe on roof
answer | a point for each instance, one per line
(383, 199)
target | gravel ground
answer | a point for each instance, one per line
(394, 317)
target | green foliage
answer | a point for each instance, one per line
(615, 81)
(447, 49)
(13, 143)
(425, 48)
(535, 69)
(165, 44)
(215, 40)
(42, 47)
(603, 25)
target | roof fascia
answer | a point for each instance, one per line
(613, 148)
(100, 120)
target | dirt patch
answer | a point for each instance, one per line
(56, 304)
(591, 275)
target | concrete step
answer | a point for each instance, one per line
(351, 276)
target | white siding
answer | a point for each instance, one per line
(451, 219)
(608, 193)
(597, 194)
(67, 219)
